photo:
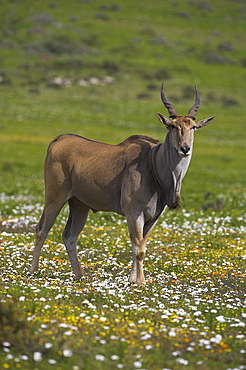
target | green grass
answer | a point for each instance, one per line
(191, 311)
(191, 314)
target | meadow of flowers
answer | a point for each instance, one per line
(191, 313)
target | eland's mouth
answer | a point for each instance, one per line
(184, 155)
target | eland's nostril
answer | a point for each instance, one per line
(185, 149)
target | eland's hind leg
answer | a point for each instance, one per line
(76, 221)
(47, 220)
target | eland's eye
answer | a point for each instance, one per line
(194, 128)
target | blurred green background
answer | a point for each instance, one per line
(95, 68)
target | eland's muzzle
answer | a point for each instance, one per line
(184, 150)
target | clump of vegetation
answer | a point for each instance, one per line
(13, 326)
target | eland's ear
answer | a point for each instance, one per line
(204, 122)
(164, 120)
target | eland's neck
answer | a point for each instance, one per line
(169, 169)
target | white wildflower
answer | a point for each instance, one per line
(67, 353)
(220, 318)
(182, 361)
(51, 361)
(100, 357)
(37, 356)
(217, 339)
(48, 345)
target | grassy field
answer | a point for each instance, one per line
(95, 68)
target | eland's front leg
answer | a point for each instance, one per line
(139, 233)
(138, 253)
(135, 227)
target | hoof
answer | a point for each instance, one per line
(141, 283)
(137, 281)
(78, 277)
(132, 280)
(33, 269)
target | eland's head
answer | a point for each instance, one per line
(182, 128)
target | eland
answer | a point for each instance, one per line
(137, 178)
